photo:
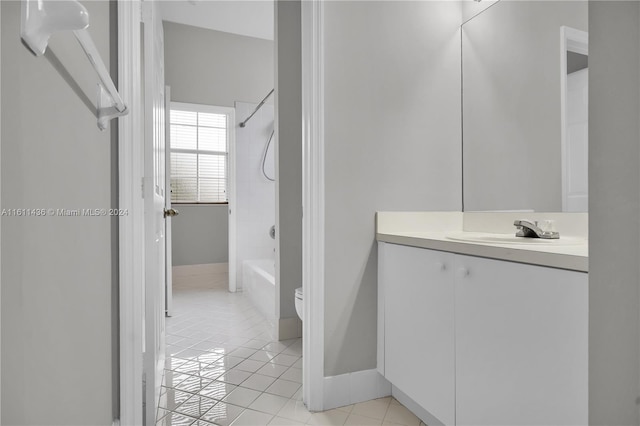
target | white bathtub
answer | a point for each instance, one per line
(259, 283)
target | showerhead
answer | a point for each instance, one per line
(243, 123)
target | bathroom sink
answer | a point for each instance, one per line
(510, 239)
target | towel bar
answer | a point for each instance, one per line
(42, 18)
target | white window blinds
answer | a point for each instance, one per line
(199, 150)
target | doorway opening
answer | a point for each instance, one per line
(574, 110)
(199, 139)
(226, 358)
(159, 50)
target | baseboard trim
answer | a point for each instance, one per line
(201, 268)
(351, 388)
(289, 328)
(416, 409)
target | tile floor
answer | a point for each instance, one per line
(223, 367)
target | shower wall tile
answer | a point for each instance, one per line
(255, 194)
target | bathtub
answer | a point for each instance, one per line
(259, 284)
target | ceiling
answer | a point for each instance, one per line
(253, 18)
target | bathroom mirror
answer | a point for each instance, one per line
(524, 106)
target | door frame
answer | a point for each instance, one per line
(0, 228)
(131, 234)
(232, 233)
(571, 40)
(313, 203)
(131, 245)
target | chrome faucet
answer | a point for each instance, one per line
(530, 229)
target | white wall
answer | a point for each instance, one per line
(255, 194)
(392, 142)
(212, 68)
(614, 208)
(57, 280)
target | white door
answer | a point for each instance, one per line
(576, 158)
(169, 209)
(154, 204)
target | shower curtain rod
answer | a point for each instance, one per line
(244, 123)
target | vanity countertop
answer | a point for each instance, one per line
(446, 231)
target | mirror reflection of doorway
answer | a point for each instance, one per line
(575, 119)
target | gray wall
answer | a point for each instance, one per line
(213, 68)
(392, 142)
(614, 208)
(576, 62)
(289, 151)
(511, 104)
(200, 234)
(57, 277)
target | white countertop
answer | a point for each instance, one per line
(434, 229)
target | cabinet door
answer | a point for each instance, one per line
(521, 344)
(419, 332)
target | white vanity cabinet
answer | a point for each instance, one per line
(521, 344)
(477, 341)
(418, 349)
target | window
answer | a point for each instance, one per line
(199, 138)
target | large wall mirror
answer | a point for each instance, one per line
(524, 91)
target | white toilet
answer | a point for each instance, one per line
(299, 305)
